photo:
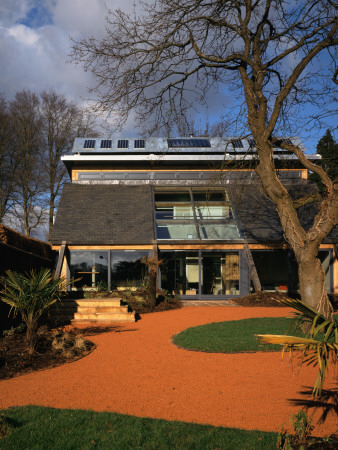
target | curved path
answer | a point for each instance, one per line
(136, 370)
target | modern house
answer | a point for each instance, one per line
(195, 202)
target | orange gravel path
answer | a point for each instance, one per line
(138, 371)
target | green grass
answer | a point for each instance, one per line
(234, 336)
(33, 427)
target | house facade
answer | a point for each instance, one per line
(194, 203)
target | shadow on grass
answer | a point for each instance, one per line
(326, 404)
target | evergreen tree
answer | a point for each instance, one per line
(327, 147)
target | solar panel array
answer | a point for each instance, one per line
(237, 144)
(191, 142)
(139, 143)
(231, 145)
(123, 143)
(106, 143)
(89, 143)
(252, 143)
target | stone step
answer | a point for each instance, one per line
(79, 322)
(113, 317)
(102, 309)
(92, 302)
(93, 310)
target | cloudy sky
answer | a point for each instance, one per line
(35, 41)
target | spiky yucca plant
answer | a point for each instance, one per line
(30, 294)
(318, 348)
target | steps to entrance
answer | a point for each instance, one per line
(91, 311)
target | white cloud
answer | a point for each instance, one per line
(23, 35)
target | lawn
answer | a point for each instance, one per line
(234, 336)
(33, 427)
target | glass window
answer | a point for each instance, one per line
(184, 272)
(272, 268)
(127, 269)
(89, 268)
(220, 273)
(197, 214)
(180, 273)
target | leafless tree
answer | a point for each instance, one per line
(29, 207)
(61, 122)
(8, 159)
(275, 55)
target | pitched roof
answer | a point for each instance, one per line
(104, 214)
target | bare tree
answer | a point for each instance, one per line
(275, 55)
(29, 207)
(8, 159)
(61, 122)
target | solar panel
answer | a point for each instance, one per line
(89, 143)
(191, 142)
(106, 143)
(122, 143)
(252, 143)
(139, 143)
(237, 144)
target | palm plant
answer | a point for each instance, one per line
(318, 348)
(30, 294)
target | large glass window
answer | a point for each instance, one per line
(180, 273)
(194, 213)
(206, 273)
(107, 269)
(89, 269)
(220, 273)
(127, 269)
(278, 269)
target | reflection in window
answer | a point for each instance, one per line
(180, 273)
(194, 214)
(278, 271)
(127, 269)
(217, 273)
(220, 273)
(89, 269)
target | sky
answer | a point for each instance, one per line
(35, 43)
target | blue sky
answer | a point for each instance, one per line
(38, 16)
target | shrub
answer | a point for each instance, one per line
(30, 294)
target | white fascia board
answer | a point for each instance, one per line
(179, 158)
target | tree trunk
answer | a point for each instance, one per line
(51, 216)
(312, 283)
(31, 335)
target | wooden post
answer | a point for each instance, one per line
(252, 268)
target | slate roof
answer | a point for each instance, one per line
(258, 216)
(104, 215)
